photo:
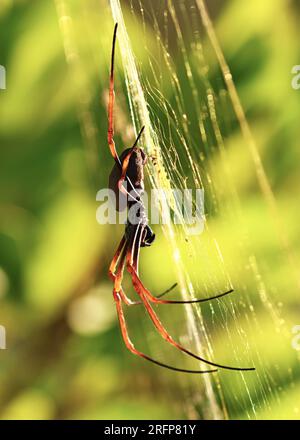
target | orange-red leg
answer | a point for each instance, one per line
(112, 269)
(114, 261)
(110, 131)
(116, 273)
(111, 99)
(112, 275)
(130, 346)
(140, 289)
(156, 299)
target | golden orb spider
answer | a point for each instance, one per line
(129, 168)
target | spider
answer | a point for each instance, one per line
(129, 168)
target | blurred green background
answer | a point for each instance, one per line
(64, 356)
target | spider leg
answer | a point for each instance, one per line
(112, 270)
(156, 299)
(114, 261)
(119, 295)
(132, 253)
(133, 350)
(167, 290)
(135, 303)
(111, 99)
(193, 301)
(112, 275)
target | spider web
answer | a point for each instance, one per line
(193, 118)
(147, 101)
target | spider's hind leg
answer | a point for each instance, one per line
(133, 350)
(119, 296)
(132, 265)
(116, 274)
